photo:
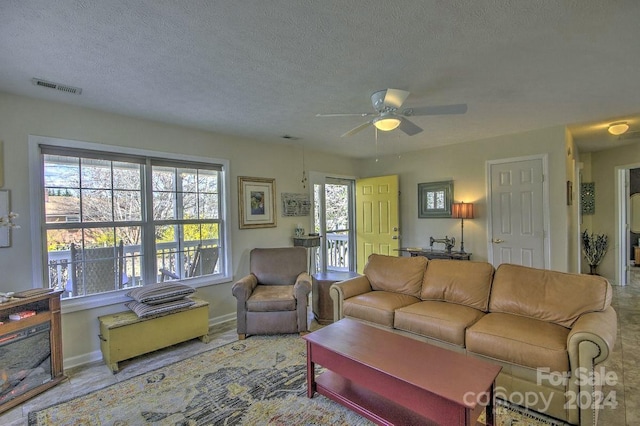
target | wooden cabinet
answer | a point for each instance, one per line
(322, 302)
(23, 355)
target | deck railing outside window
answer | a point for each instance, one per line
(168, 256)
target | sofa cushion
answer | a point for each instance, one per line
(376, 306)
(158, 293)
(519, 340)
(397, 274)
(144, 310)
(546, 295)
(464, 283)
(439, 320)
(270, 298)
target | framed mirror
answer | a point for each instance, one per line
(435, 199)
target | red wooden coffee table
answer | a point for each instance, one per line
(396, 380)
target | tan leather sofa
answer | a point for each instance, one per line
(548, 330)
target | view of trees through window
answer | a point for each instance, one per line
(102, 221)
(336, 212)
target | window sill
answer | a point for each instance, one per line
(119, 297)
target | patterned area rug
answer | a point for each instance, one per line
(258, 381)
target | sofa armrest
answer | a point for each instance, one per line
(590, 342)
(343, 290)
(599, 328)
(302, 287)
(243, 288)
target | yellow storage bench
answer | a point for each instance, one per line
(124, 335)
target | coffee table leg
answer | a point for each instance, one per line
(311, 373)
(489, 414)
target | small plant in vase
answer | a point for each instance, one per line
(594, 248)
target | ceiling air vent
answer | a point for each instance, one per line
(56, 86)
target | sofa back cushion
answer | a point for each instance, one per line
(457, 281)
(551, 296)
(396, 274)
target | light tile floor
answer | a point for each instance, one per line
(624, 362)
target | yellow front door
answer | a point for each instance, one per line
(377, 226)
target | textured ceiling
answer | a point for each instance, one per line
(262, 69)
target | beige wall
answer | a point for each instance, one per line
(21, 117)
(603, 166)
(465, 164)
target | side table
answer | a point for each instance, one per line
(321, 301)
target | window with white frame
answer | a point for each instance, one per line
(114, 221)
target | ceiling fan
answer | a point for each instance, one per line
(388, 115)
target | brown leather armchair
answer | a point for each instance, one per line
(273, 298)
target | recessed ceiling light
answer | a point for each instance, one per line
(618, 128)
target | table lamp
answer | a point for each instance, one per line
(462, 211)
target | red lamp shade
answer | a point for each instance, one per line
(462, 211)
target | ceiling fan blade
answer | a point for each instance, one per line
(409, 128)
(357, 114)
(395, 97)
(436, 110)
(357, 129)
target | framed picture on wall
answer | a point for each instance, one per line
(256, 202)
(435, 199)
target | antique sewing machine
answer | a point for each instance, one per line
(449, 243)
(430, 253)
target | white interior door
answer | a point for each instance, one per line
(517, 212)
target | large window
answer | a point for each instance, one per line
(114, 221)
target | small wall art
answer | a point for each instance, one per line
(6, 222)
(434, 199)
(295, 204)
(588, 197)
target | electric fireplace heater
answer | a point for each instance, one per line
(25, 361)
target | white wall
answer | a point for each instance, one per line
(20, 117)
(465, 164)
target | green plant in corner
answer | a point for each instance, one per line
(594, 248)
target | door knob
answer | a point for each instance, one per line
(497, 241)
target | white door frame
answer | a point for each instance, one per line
(320, 178)
(622, 207)
(545, 202)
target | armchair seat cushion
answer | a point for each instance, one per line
(520, 340)
(442, 321)
(377, 306)
(272, 298)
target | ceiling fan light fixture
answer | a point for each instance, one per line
(618, 128)
(386, 123)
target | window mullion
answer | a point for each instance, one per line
(148, 231)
